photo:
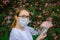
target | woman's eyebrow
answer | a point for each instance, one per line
(24, 15)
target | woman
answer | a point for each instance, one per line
(20, 30)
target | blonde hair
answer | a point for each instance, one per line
(17, 13)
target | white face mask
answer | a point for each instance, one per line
(23, 21)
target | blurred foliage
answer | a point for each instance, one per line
(40, 10)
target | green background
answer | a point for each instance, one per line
(40, 10)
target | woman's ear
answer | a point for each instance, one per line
(16, 17)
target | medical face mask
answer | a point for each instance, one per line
(23, 21)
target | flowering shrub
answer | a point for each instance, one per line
(40, 11)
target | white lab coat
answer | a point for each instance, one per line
(17, 34)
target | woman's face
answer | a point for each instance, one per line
(23, 18)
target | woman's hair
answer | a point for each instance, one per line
(17, 14)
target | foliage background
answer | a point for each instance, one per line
(40, 10)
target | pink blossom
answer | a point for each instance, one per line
(46, 4)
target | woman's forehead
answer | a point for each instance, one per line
(24, 12)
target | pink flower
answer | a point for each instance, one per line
(49, 19)
(40, 8)
(55, 38)
(24, 1)
(36, 4)
(31, 13)
(39, 16)
(30, 4)
(10, 12)
(46, 14)
(44, 11)
(34, 22)
(59, 16)
(38, 22)
(53, 4)
(27, 3)
(59, 2)
(30, 21)
(54, 34)
(34, 25)
(6, 2)
(46, 4)
(52, 12)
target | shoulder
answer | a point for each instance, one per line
(14, 31)
(28, 27)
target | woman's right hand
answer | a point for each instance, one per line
(41, 37)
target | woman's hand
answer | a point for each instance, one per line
(46, 24)
(41, 37)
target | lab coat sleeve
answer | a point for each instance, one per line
(33, 31)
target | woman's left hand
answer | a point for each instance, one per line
(46, 24)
